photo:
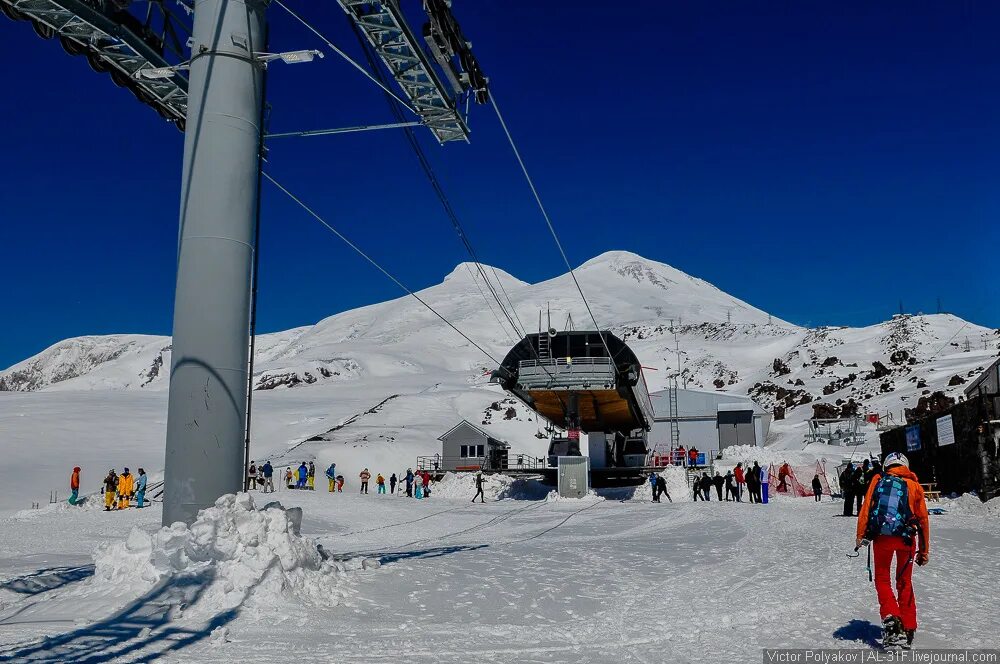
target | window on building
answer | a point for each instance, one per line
(480, 450)
(465, 451)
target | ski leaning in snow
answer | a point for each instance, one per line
(893, 518)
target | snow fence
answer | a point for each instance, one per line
(240, 552)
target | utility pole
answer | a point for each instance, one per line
(206, 414)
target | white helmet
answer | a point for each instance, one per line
(895, 459)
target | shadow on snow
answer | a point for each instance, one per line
(50, 578)
(860, 630)
(142, 628)
(387, 557)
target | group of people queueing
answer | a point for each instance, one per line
(119, 490)
(854, 482)
(418, 485)
(737, 483)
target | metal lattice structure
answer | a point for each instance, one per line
(390, 36)
(119, 43)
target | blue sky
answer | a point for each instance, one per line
(821, 161)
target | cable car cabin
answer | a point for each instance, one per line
(569, 379)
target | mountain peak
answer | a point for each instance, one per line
(468, 271)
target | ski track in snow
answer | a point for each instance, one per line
(587, 580)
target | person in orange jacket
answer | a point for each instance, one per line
(893, 517)
(124, 489)
(74, 485)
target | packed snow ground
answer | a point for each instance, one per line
(592, 580)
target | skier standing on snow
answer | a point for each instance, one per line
(730, 485)
(124, 489)
(894, 519)
(74, 485)
(661, 486)
(110, 488)
(380, 483)
(409, 483)
(652, 485)
(755, 473)
(140, 489)
(268, 471)
(392, 484)
(311, 476)
(252, 476)
(418, 486)
(303, 476)
(479, 489)
(783, 472)
(706, 487)
(847, 488)
(861, 477)
(718, 481)
(289, 478)
(740, 481)
(365, 476)
(817, 488)
(331, 477)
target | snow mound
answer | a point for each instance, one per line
(969, 505)
(89, 504)
(235, 549)
(454, 486)
(747, 454)
(677, 486)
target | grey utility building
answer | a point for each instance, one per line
(707, 420)
(467, 447)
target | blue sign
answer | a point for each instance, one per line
(701, 459)
(913, 438)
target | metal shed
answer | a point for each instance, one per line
(707, 420)
(467, 447)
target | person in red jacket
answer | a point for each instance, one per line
(74, 485)
(741, 481)
(893, 517)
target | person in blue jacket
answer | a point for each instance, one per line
(331, 477)
(140, 489)
(409, 482)
(652, 485)
(303, 476)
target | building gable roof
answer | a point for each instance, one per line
(467, 423)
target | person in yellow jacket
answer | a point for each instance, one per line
(124, 489)
(110, 489)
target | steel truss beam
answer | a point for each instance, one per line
(386, 29)
(115, 42)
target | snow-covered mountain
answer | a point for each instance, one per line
(723, 342)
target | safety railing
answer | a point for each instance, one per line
(440, 464)
(557, 371)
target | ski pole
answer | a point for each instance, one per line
(871, 579)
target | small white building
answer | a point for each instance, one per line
(707, 420)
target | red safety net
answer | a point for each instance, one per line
(785, 479)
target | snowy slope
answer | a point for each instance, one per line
(100, 401)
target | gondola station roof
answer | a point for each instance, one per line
(545, 370)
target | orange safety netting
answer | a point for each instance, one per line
(784, 479)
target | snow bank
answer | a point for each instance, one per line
(677, 486)
(236, 550)
(92, 503)
(495, 487)
(747, 454)
(969, 505)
